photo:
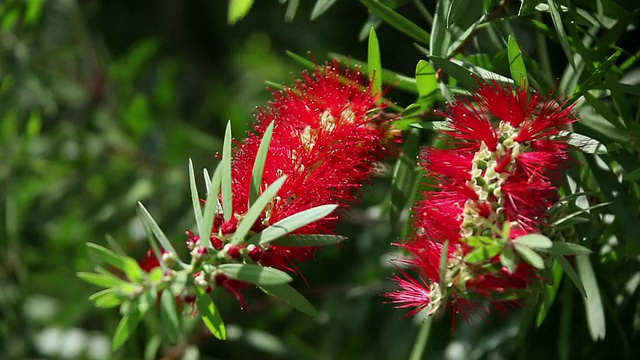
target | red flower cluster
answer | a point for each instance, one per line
(327, 138)
(505, 147)
(328, 135)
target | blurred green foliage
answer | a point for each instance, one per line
(102, 103)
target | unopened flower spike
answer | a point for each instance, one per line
(505, 146)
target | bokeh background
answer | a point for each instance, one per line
(102, 103)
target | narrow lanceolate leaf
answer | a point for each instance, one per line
(516, 63)
(207, 179)
(159, 234)
(571, 273)
(456, 11)
(537, 241)
(483, 253)
(153, 243)
(210, 207)
(258, 165)
(210, 314)
(565, 248)
(107, 255)
(238, 9)
(554, 9)
(308, 240)
(456, 71)
(103, 280)
(256, 210)
(125, 328)
(295, 222)
(405, 176)
(133, 271)
(195, 199)
(227, 202)
(375, 63)
(303, 61)
(426, 82)
(592, 302)
(549, 294)
(291, 296)
(320, 8)
(529, 256)
(169, 314)
(106, 298)
(508, 259)
(255, 274)
(397, 21)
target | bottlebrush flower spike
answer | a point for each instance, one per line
(327, 137)
(507, 146)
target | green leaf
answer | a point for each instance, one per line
(255, 274)
(291, 10)
(633, 175)
(125, 328)
(258, 165)
(210, 207)
(624, 207)
(308, 240)
(482, 254)
(106, 298)
(107, 255)
(156, 275)
(441, 38)
(595, 78)
(562, 36)
(256, 210)
(456, 11)
(375, 63)
(294, 222)
(592, 302)
(529, 256)
(103, 280)
(565, 248)
(516, 63)
(133, 270)
(153, 243)
(549, 294)
(169, 315)
(148, 220)
(537, 241)
(227, 201)
(290, 296)
(210, 315)
(397, 21)
(508, 259)
(320, 8)
(152, 347)
(303, 61)
(426, 83)
(571, 273)
(195, 199)
(456, 71)
(586, 144)
(238, 9)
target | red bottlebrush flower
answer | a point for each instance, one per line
(327, 138)
(510, 146)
